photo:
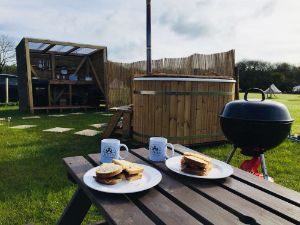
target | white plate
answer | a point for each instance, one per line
(151, 177)
(219, 170)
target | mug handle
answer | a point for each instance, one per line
(172, 148)
(127, 151)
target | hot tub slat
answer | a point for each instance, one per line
(166, 111)
(180, 110)
(158, 110)
(185, 112)
(173, 111)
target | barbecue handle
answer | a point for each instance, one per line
(263, 97)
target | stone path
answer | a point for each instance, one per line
(88, 132)
(85, 132)
(58, 129)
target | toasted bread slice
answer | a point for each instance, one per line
(194, 161)
(129, 167)
(109, 181)
(133, 177)
(107, 170)
(199, 156)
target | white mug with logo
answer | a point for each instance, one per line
(110, 149)
(158, 149)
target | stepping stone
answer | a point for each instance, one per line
(58, 115)
(99, 125)
(104, 114)
(31, 117)
(77, 113)
(58, 129)
(88, 132)
(23, 126)
(107, 114)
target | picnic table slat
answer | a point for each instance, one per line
(162, 209)
(287, 210)
(278, 206)
(199, 205)
(279, 191)
(167, 211)
(116, 209)
(218, 194)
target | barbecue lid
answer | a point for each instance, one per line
(256, 110)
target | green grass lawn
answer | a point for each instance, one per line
(34, 187)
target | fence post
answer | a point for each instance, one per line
(6, 90)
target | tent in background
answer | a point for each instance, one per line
(296, 89)
(272, 90)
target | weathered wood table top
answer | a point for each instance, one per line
(239, 199)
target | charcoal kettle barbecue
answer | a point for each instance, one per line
(255, 126)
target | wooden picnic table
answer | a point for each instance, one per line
(239, 199)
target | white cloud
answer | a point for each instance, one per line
(257, 29)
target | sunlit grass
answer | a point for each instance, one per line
(34, 187)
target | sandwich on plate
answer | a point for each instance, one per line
(117, 171)
(130, 170)
(196, 164)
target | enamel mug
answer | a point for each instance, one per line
(110, 149)
(158, 149)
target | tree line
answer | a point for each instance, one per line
(260, 74)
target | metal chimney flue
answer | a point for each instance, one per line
(148, 36)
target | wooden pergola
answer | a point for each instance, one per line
(31, 51)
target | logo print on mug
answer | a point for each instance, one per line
(109, 152)
(110, 149)
(155, 150)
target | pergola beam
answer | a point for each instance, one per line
(34, 40)
(48, 48)
(71, 50)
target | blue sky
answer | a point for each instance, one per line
(258, 29)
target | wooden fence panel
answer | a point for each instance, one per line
(120, 75)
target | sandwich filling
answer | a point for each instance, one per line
(117, 171)
(195, 164)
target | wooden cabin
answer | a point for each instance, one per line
(60, 75)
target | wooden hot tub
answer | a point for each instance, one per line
(183, 109)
